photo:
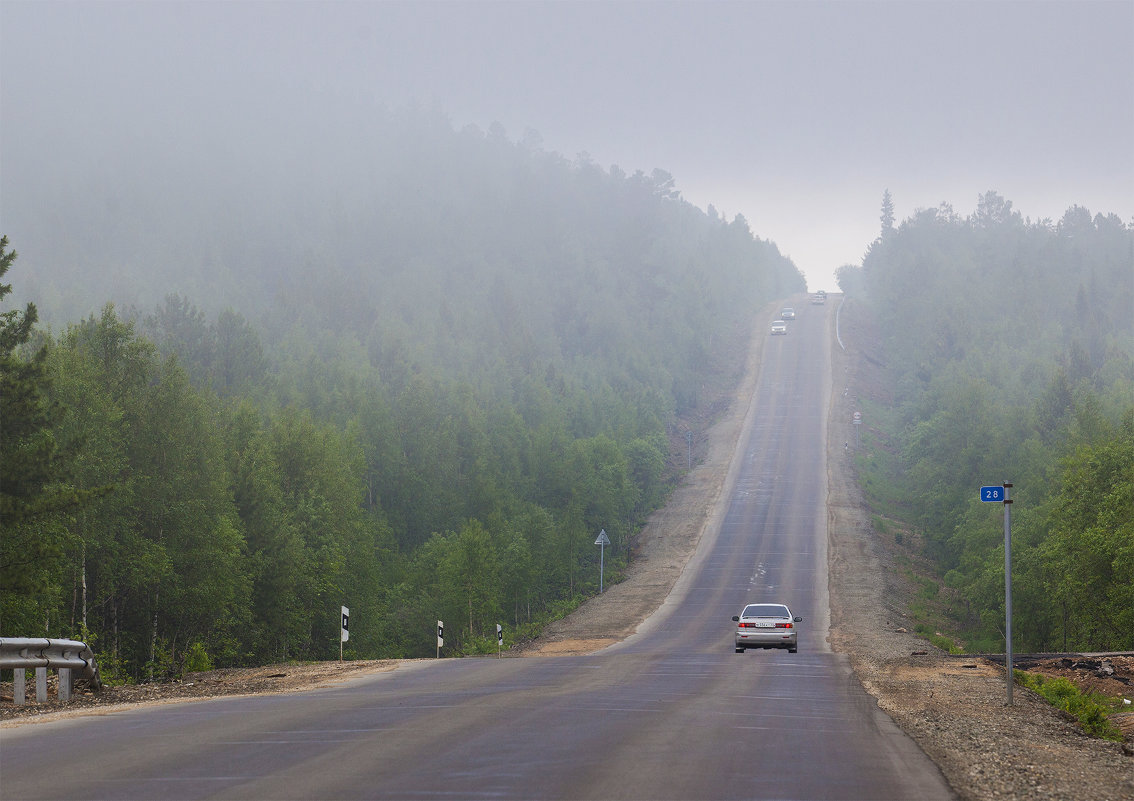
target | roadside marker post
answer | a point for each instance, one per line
(344, 634)
(994, 494)
(440, 637)
(602, 541)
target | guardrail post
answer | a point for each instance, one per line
(64, 692)
(20, 654)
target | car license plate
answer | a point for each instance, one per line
(765, 625)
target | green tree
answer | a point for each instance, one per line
(321, 472)
(277, 561)
(963, 370)
(239, 364)
(469, 570)
(106, 372)
(1093, 543)
(185, 507)
(92, 428)
(177, 327)
(162, 554)
(33, 469)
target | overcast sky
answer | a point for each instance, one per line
(797, 115)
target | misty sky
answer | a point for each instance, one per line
(797, 115)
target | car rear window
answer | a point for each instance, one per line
(765, 610)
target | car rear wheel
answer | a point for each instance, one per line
(792, 650)
(740, 650)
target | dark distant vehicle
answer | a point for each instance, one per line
(766, 626)
(779, 327)
(788, 313)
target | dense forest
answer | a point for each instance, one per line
(418, 390)
(1009, 348)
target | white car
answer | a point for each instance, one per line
(788, 313)
(766, 626)
(779, 327)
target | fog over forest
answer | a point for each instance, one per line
(396, 305)
(138, 139)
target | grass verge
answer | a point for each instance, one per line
(1091, 709)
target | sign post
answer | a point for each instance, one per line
(440, 637)
(499, 639)
(602, 542)
(344, 635)
(994, 494)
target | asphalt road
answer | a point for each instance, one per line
(672, 713)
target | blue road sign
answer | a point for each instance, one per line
(992, 494)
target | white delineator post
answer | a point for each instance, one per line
(344, 635)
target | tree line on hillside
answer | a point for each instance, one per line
(1010, 347)
(437, 435)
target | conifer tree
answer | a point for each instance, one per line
(887, 214)
(30, 462)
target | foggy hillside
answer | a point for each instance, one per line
(356, 215)
(1005, 353)
(357, 360)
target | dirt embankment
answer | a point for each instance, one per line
(953, 707)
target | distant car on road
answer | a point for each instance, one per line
(788, 313)
(819, 299)
(766, 626)
(779, 327)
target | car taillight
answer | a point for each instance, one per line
(783, 625)
(747, 625)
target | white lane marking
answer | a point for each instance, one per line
(789, 717)
(611, 709)
(148, 779)
(780, 730)
(328, 731)
(287, 742)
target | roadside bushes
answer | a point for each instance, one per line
(1090, 709)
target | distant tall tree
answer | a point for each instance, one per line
(887, 214)
(664, 184)
(1076, 221)
(993, 209)
(178, 327)
(239, 363)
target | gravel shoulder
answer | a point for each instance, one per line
(953, 707)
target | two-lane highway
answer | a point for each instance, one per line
(672, 713)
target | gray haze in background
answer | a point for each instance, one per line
(796, 115)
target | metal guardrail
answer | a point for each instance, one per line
(73, 660)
